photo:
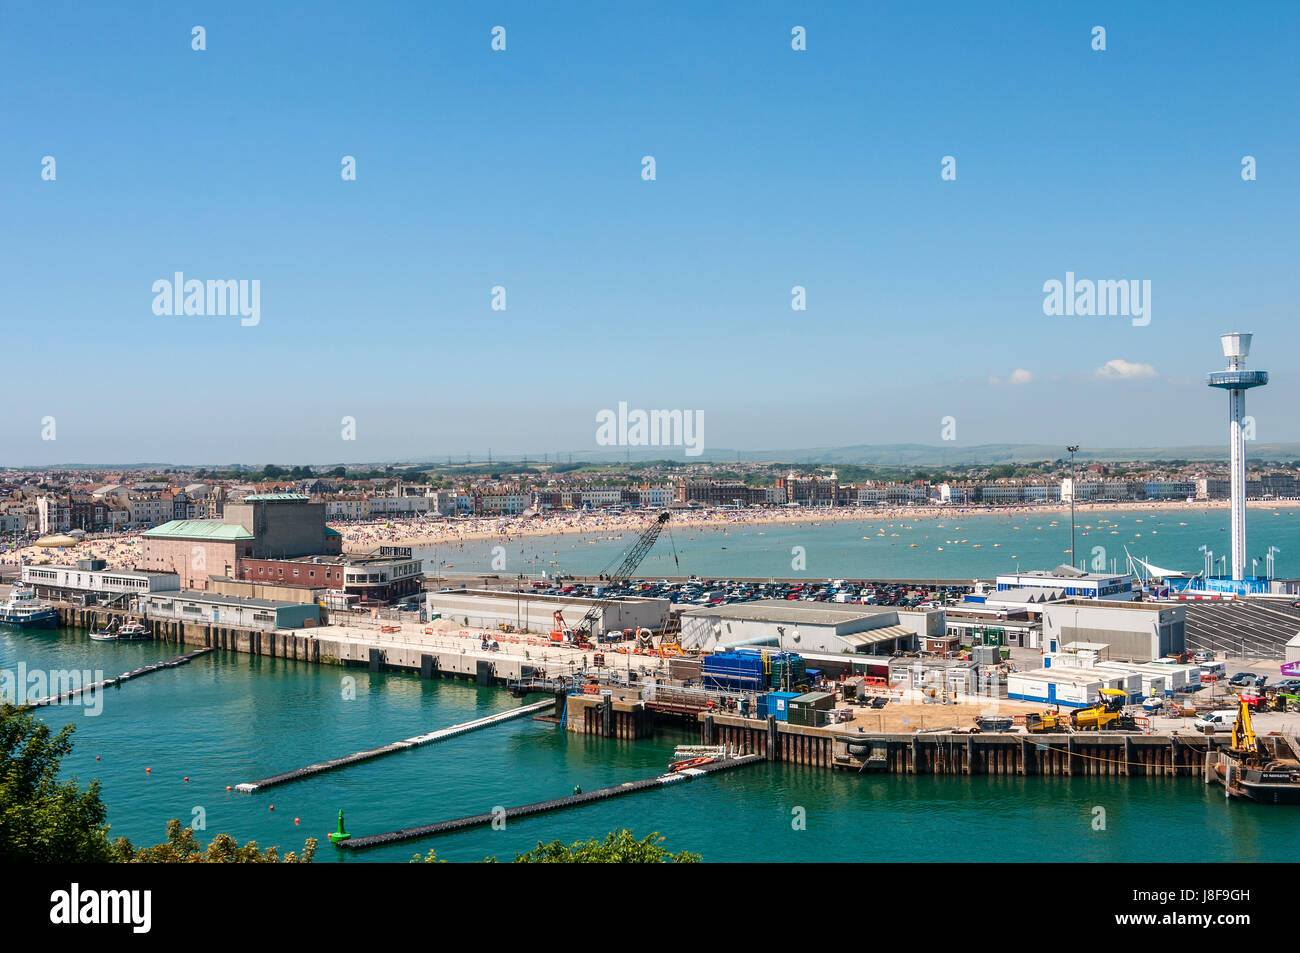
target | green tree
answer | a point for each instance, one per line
(183, 847)
(44, 819)
(619, 847)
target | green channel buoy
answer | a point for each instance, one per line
(341, 834)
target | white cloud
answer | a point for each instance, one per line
(1018, 376)
(1122, 370)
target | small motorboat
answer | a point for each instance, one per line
(133, 632)
(689, 763)
(107, 634)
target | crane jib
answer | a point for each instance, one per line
(625, 568)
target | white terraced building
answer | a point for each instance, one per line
(99, 585)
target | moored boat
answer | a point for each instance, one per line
(1277, 782)
(25, 611)
(133, 632)
(1246, 770)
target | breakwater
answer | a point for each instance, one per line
(577, 799)
(442, 734)
(72, 693)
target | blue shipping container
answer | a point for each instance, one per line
(776, 703)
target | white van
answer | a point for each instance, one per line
(1218, 720)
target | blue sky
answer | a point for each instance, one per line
(522, 169)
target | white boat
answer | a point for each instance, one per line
(25, 611)
(133, 632)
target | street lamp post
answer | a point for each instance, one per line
(1074, 489)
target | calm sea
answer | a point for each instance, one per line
(954, 548)
(228, 718)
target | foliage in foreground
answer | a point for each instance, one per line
(43, 819)
(619, 847)
(183, 847)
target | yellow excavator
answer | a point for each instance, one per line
(1245, 743)
(1106, 714)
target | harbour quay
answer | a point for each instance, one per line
(959, 747)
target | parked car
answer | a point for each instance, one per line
(1203, 656)
(1247, 680)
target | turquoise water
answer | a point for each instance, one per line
(227, 718)
(955, 547)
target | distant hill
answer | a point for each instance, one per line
(923, 455)
(909, 455)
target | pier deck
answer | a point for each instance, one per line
(124, 677)
(543, 807)
(442, 734)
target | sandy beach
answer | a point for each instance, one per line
(361, 537)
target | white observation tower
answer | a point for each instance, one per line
(1236, 380)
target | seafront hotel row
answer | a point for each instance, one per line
(117, 507)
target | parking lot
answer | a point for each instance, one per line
(705, 592)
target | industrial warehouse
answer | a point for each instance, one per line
(807, 627)
(530, 612)
(1133, 630)
(206, 608)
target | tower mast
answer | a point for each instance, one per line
(1236, 380)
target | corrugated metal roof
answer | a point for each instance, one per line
(783, 610)
(1026, 595)
(872, 636)
(199, 529)
(213, 598)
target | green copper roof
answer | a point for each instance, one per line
(275, 498)
(199, 529)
